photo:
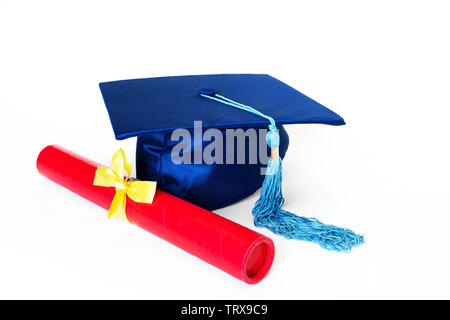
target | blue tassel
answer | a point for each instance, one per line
(268, 213)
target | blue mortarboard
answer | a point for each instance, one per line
(153, 108)
(143, 106)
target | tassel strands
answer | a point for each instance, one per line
(268, 212)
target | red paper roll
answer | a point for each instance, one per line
(239, 251)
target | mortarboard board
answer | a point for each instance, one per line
(153, 108)
(141, 106)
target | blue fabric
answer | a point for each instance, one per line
(142, 106)
(208, 186)
(152, 108)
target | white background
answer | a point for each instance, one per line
(383, 65)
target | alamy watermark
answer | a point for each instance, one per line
(214, 146)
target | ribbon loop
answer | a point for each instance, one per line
(138, 191)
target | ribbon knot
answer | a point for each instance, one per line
(139, 191)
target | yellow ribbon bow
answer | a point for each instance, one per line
(139, 191)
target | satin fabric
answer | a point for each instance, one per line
(152, 108)
(210, 186)
(142, 106)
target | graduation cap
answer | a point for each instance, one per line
(162, 111)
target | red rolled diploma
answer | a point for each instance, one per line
(237, 250)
